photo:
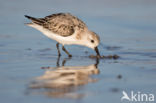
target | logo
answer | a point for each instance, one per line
(137, 97)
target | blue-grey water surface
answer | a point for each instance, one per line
(126, 28)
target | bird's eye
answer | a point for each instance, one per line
(92, 41)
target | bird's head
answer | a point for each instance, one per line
(93, 41)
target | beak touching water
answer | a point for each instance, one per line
(97, 51)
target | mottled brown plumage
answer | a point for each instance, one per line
(63, 24)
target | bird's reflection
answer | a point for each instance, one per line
(65, 81)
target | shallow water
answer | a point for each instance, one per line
(126, 28)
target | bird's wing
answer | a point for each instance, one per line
(63, 24)
(35, 20)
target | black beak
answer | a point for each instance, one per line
(97, 51)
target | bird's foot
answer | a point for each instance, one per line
(69, 55)
(59, 55)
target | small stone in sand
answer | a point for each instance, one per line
(119, 76)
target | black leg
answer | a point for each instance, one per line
(97, 62)
(58, 50)
(64, 61)
(69, 55)
(58, 61)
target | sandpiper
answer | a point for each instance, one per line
(66, 29)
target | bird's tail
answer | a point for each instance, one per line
(34, 20)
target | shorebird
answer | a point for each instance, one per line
(66, 29)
